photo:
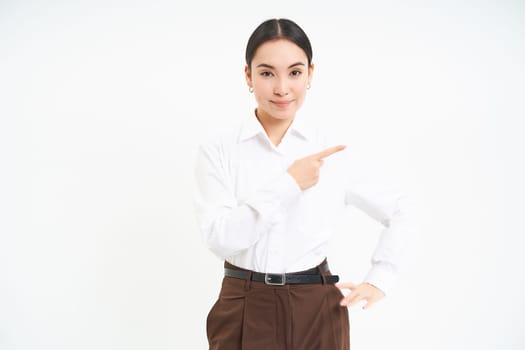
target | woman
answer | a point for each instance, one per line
(267, 196)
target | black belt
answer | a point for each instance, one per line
(311, 276)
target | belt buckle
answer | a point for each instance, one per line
(269, 279)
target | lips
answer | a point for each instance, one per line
(281, 104)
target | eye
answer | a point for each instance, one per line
(296, 73)
(266, 74)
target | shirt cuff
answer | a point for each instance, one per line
(382, 276)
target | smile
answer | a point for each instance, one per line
(281, 104)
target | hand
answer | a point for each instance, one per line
(363, 291)
(306, 170)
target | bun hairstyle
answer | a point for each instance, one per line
(278, 29)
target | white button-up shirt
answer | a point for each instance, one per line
(252, 213)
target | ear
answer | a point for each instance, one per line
(310, 73)
(248, 75)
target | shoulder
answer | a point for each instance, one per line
(215, 147)
(219, 137)
(325, 134)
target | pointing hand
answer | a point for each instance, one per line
(306, 170)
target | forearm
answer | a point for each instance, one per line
(229, 227)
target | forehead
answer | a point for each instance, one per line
(279, 52)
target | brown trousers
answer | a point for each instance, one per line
(251, 315)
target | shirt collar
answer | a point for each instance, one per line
(252, 127)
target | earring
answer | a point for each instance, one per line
(250, 89)
(308, 86)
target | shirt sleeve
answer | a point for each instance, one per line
(374, 190)
(227, 226)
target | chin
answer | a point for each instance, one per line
(283, 114)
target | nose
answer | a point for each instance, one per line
(281, 87)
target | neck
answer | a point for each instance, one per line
(275, 128)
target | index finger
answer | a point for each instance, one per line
(328, 152)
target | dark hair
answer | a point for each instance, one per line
(278, 29)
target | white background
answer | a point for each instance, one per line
(103, 104)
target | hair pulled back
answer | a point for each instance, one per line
(278, 29)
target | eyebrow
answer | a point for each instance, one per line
(264, 65)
